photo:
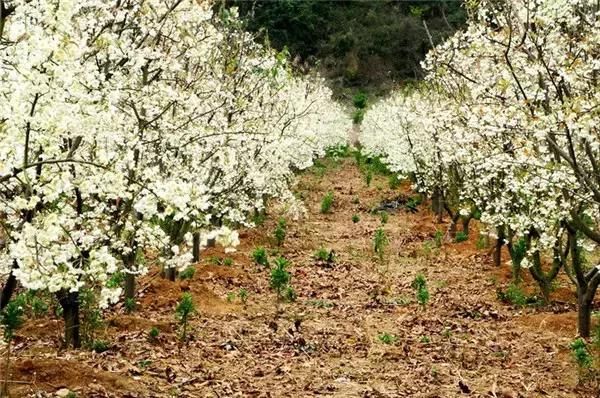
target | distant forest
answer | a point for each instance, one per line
(358, 45)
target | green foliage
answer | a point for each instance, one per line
(230, 297)
(184, 310)
(387, 338)
(280, 231)
(438, 238)
(258, 218)
(90, 317)
(355, 218)
(129, 305)
(420, 286)
(34, 303)
(153, 334)
(339, 151)
(260, 257)
(394, 181)
(243, 295)
(355, 200)
(327, 203)
(321, 303)
(11, 316)
(358, 42)
(358, 116)
(289, 294)
(369, 177)
(413, 203)
(516, 296)
(228, 261)
(461, 237)
(322, 254)
(215, 260)
(581, 354)
(360, 100)
(280, 277)
(188, 273)
(481, 242)
(425, 340)
(384, 217)
(100, 346)
(116, 280)
(380, 242)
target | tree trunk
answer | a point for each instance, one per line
(212, 242)
(466, 222)
(129, 286)
(196, 247)
(498, 249)
(170, 274)
(8, 290)
(69, 301)
(453, 226)
(437, 206)
(584, 315)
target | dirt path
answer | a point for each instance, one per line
(329, 342)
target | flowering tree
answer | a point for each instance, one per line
(126, 127)
(521, 84)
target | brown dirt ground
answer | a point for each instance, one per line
(464, 343)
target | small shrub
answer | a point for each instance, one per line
(280, 231)
(394, 181)
(360, 100)
(425, 340)
(369, 178)
(481, 242)
(380, 242)
(259, 218)
(215, 260)
(100, 346)
(129, 305)
(439, 238)
(384, 217)
(583, 358)
(461, 236)
(327, 203)
(11, 319)
(185, 309)
(355, 200)
(387, 338)
(230, 297)
(187, 273)
(513, 295)
(324, 255)
(355, 218)
(358, 115)
(243, 295)
(228, 261)
(289, 294)
(280, 277)
(420, 286)
(153, 334)
(413, 203)
(260, 257)
(37, 305)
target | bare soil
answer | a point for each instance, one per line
(465, 342)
